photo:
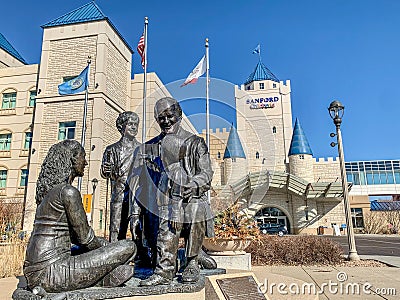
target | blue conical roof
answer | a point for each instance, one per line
(6, 46)
(299, 144)
(86, 13)
(261, 72)
(234, 147)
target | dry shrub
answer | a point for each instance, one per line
(295, 250)
(386, 222)
(12, 255)
(12, 242)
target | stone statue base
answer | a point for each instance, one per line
(130, 289)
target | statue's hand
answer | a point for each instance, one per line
(189, 190)
(106, 168)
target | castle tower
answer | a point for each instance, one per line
(264, 119)
(300, 155)
(235, 162)
(68, 41)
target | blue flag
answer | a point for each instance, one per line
(257, 50)
(75, 85)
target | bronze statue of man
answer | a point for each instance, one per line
(60, 221)
(117, 160)
(183, 207)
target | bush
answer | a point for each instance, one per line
(295, 250)
(12, 240)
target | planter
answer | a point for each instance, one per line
(233, 246)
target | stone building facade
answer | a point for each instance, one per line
(264, 160)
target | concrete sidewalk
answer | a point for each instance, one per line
(331, 282)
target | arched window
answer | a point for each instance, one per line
(257, 155)
(274, 129)
(32, 98)
(3, 178)
(9, 99)
(23, 177)
(5, 140)
(27, 140)
(219, 155)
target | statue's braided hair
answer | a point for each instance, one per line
(57, 166)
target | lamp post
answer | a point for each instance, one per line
(94, 185)
(336, 111)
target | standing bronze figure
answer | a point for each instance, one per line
(117, 161)
(184, 179)
(60, 221)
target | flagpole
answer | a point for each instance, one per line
(207, 106)
(85, 105)
(259, 52)
(207, 98)
(146, 22)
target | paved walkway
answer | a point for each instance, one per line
(331, 282)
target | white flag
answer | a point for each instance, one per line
(199, 70)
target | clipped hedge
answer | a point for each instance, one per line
(295, 250)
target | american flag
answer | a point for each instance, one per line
(140, 48)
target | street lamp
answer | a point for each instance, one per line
(336, 111)
(94, 185)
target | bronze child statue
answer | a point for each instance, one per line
(117, 161)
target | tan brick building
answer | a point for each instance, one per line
(258, 161)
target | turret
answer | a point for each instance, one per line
(235, 162)
(300, 154)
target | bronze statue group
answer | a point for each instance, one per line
(158, 191)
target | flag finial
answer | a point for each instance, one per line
(206, 42)
(146, 20)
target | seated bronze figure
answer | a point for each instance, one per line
(60, 221)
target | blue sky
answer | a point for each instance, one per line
(329, 49)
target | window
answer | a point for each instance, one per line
(28, 140)
(219, 155)
(397, 176)
(101, 219)
(261, 85)
(3, 178)
(24, 177)
(32, 98)
(257, 155)
(66, 130)
(357, 217)
(5, 142)
(9, 100)
(233, 159)
(274, 85)
(301, 156)
(274, 129)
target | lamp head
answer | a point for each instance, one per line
(336, 111)
(95, 181)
